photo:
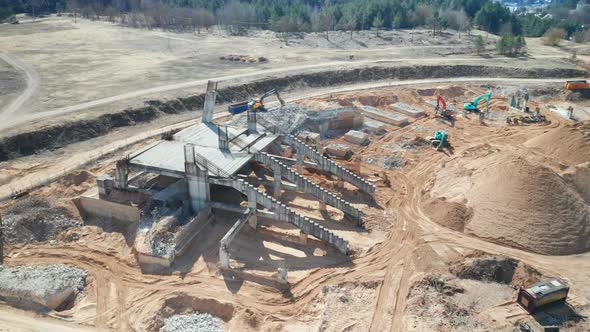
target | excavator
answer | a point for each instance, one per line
(474, 105)
(441, 109)
(256, 105)
(440, 140)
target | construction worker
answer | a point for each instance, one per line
(570, 112)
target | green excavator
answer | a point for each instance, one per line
(474, 105)
(440, 140)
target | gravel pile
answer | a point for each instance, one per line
(392, 162)
(47, 285)
(35, 220)
(162, 244)
(195, 322)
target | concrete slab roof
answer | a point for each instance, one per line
(168, 158)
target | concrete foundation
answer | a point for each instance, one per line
(391, 118)
(357, 137)
(408, 110)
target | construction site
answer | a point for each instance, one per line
(420, 200)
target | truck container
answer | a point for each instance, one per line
(542, 293)
(577, 85)
(238, 108)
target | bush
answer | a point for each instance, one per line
(553, 36)
(582, 36)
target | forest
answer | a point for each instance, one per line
(317, 15)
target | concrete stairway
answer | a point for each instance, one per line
(283, 213)
(307, 186)
(329, 165)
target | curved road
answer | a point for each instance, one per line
(24, 118)
(33, 83)
(60, 168)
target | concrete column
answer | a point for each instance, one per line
(197, 181)
(122, 174)
(300, 159)
(253, 219)
(323, 206)
(251, 122)
(276, 170)
(224, 257)
(209, 102)
(105, 185)
(302, 237)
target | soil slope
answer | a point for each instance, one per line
(517, 201)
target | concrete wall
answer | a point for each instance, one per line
(92, 207)
(188, 232)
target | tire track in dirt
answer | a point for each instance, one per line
(33, 83)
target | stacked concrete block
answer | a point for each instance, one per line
(374, 127)
(357, 137)
(310, 138)
(338, 150)
(408, 110)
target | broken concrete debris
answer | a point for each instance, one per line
(49, 286)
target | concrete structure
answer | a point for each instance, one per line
(172, 182)
(391, 118)
(374, 127)
(357, 137)
(408, 110)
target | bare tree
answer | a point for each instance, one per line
(73, 6)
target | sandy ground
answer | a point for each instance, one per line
(89, 68)
(375, 289)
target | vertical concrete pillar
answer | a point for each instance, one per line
(122, 174)
(251, 121)
(209, 102)
(197, 180)
(276, 170)
(300, 158)
(105, 185)
(323, 206)
(224, 256)
(253, 219)
(302, 237)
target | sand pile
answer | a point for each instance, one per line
(516, 202)
(569, 144)
(453, 215)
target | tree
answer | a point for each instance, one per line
(377, 24)
(347, 22)
(492, 16)
(553, 36)
(434, 22)
(479, 44)
(73, 7)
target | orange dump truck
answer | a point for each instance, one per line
(577, 85)
(542, 293)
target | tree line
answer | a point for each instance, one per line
(286, 16)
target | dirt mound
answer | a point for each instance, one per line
(77, 178)
(579, 178)
(516, 202)
(377, 101)
(570, 144)
(449, 214)
(448, 92)
(35, 219)
(498, 269)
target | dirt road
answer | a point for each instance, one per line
(24, 117)
(33, 82)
